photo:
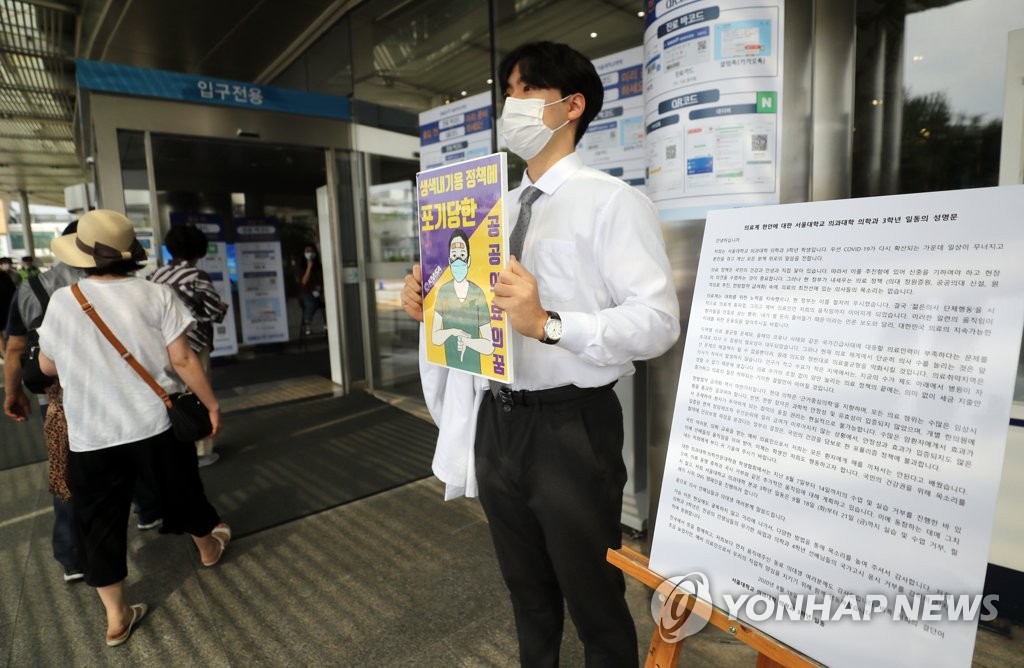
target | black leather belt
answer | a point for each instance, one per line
(508, 397)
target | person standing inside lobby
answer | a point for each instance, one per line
(588, 290)
(311, 287)
(28, 268)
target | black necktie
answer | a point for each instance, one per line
(526, 200)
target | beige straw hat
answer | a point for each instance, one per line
(103, 238)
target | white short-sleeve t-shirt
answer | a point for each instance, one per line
(106, 402)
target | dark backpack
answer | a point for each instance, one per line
(35, 380)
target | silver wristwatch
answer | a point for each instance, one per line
(552, 328)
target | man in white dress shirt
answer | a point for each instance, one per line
(590, 291)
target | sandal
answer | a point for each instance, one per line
(222, 534)
(138, 612)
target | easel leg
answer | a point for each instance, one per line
(766, 662)
(663, 654)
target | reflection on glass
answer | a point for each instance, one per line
(134, 178)
(954, 70)
(393, 240)
(397, 337)
(929, 98)
(393, 234)
(929, 95)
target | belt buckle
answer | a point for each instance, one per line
(505, 396)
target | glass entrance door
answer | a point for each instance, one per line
(232, 181)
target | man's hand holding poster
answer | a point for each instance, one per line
(463, 247)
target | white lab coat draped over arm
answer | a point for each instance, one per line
(453, 399)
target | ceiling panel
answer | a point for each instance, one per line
(37, 99)
(233, 39)
(406, 54)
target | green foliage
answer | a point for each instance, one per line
(943, 150)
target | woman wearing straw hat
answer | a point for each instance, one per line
(117, 424)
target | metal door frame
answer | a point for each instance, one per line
(108, 114)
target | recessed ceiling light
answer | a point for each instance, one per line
(490, 81)
(640, 13)
(464, 93)
(593, 34)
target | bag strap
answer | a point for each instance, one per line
(41, 294)
(43, 297)
(118, 346)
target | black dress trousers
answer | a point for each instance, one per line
(551, 477)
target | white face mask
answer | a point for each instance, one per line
(522, 125)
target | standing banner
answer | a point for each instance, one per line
(456, 131)
(614, 142)
(843, 406)
(260, 280)
(215, 263)
(712, 104)
(463, 248)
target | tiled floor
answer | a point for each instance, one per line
(401, 578)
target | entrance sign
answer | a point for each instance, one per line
(463, 248)
(215, 263)
(712, 104)
(614, 142)
(841, 418)
(260, 280)
(145, 82)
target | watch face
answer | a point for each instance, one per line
(553, 329)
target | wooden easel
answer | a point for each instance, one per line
(663, 654)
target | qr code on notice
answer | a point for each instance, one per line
(670, 152)
(758, 142)
(702, 45)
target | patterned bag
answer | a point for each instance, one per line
(55, 434)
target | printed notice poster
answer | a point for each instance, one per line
(463, 248)
(145, 236)
(614, 142)
(215, 263)
(843, 406)
(712, 104)
(260, 280)
(456, 131)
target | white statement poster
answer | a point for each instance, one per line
(614, 142)
(456, 131)
(843, 406)
(260, 280)
(712, 104)
(215, 263)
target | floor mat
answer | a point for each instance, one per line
(233, 372)
(278, 464)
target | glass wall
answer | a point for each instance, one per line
(393, 247)
(929, 94)
(929, 97)
(235, 179)
(131, 146)
(928, 77)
